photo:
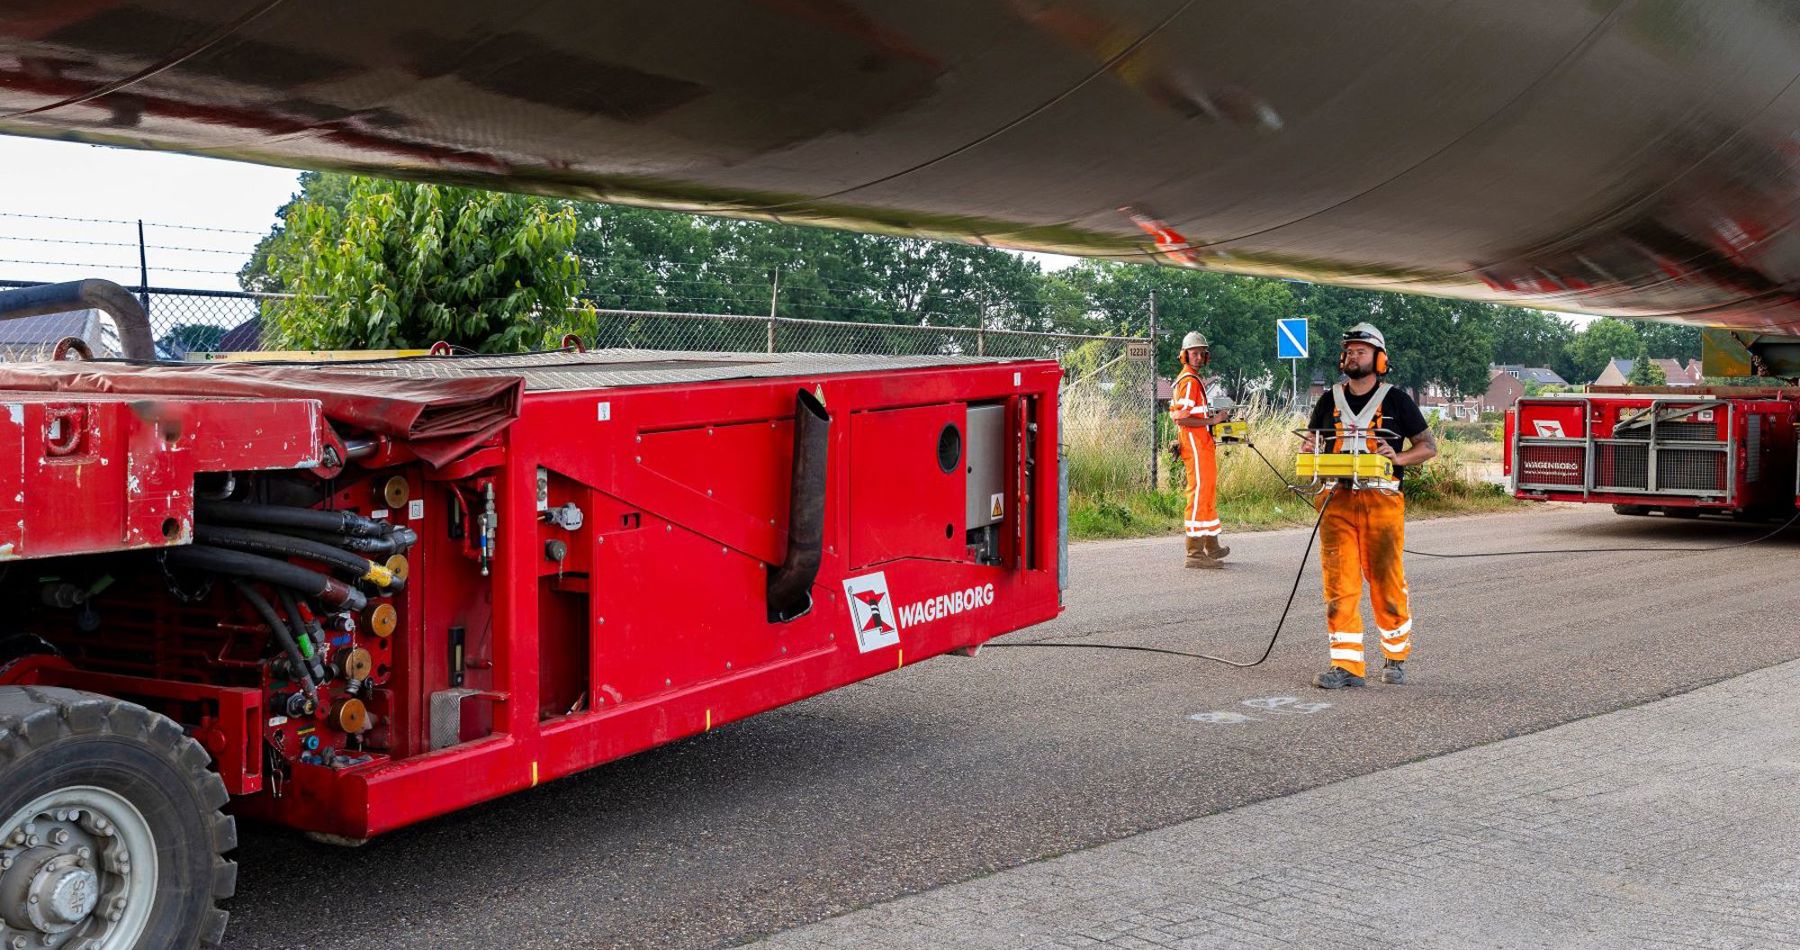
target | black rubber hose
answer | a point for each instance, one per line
(333, 593)
(282, 636)
(275, 544)
(282, 516)
(310, 630)
(368, 547)
(790, 585)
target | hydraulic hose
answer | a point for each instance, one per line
(395, 543)
(310, 637)
(250, 514)
(282, 636)
(789, 589)
(238, 564)
(282, 545)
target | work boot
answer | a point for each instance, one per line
(1196, 555)
(1393, 672)
(1337, 678)
(1214, 549)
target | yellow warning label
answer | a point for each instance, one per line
(997, 505)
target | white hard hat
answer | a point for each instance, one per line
(1366, 333)
(1193, 339)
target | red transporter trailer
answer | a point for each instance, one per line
(1683, 451)
(355, 596)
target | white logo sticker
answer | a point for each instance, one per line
(997, 505)
(1549, 429)
(871, 612)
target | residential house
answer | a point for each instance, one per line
(1438, 402)
(1507, 383)
(1618, 373)
(35, 338)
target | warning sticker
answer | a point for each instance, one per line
(997, 505)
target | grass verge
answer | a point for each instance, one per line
(1252, 498)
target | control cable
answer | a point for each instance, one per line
(1307, 554)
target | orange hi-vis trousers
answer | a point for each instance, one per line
(1360, 538)
(1198, 456)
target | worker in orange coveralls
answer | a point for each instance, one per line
(1363, 529)
(1188, 407)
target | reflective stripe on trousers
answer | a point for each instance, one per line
(1201, 518)
(1361, 538)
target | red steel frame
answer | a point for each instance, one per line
(1596, 411)
(676, 547)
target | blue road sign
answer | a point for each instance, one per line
(1290, 339)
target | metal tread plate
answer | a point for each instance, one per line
(609, 369)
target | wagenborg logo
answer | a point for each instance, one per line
(1549, 428)
(872, 612)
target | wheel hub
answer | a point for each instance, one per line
(67, 878)
(63, 894)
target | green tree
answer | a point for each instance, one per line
(1644, 371)
(636, 259)
(404, 265)
(317, 188)
(1601, 342)
(1430, 339)
(1669, 341)
(190, 338)
(1530, 337)
(1237, 314)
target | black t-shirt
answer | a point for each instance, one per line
(1398, 414)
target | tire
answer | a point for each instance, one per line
(1630, 510)
(95, 774)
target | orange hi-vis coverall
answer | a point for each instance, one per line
(1361, 538)
(1201, 520)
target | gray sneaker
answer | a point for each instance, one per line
(1337, 678)
(1393, 672)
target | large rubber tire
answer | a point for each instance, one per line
(1630, 510)
(54, 739)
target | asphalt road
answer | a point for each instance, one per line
(959, 767)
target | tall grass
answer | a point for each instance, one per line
(1110, 495)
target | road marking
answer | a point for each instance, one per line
(1270, 707)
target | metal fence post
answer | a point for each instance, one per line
(1153, 413)
(774, 294)
(143, 270)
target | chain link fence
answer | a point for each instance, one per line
(1109, 398)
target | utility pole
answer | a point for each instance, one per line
(774, 295)
(1153, 413)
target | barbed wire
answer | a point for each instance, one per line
(126, 221)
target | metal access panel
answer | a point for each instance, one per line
(986, 465)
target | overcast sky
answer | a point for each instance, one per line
(48, 182)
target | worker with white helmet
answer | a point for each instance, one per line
(1194, 418)
(1363, 529)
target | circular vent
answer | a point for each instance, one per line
(949, 448)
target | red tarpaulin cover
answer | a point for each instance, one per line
(439, 419)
